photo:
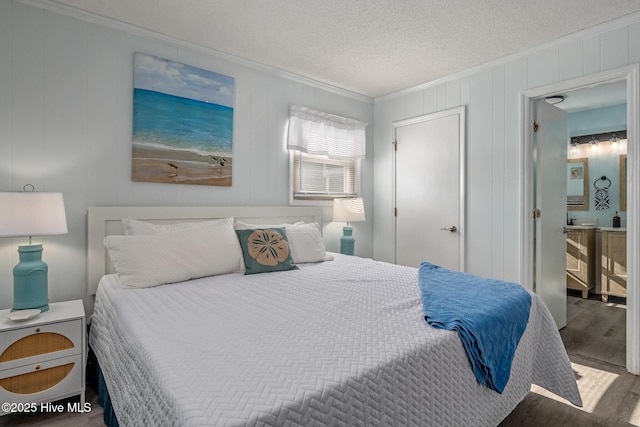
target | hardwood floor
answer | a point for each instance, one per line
(595, 329)
(595, 342)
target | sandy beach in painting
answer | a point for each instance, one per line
(179, 167)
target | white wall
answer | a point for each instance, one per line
(65, 125)
(491, 94)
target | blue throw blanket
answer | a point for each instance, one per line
(489, 315)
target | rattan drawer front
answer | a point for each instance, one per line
(33, 382)
(28, 345)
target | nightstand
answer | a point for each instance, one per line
(43, 359)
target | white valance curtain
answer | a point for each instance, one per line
(318, 133)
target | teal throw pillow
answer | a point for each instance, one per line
(265, 250)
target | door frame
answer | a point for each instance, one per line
(631, 74)
(462, 156)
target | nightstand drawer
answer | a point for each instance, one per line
(41, 381)
(42, 359)
(34, 344)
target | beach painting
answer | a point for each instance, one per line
(182, 123)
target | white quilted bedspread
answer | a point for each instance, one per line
(338, 343)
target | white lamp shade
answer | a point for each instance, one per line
(32, 214)
(348, 210)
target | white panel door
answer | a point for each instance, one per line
(429, 190)
(550, 144)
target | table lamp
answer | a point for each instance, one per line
(348, 210)
(27, 214)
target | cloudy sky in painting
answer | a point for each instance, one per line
(174, 78)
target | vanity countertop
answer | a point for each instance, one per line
(593, 227)
(613, 229)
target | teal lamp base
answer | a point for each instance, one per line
(30, 290)
(347, 242)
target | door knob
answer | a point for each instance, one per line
(452, 229)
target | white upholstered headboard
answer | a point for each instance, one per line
(104, 221)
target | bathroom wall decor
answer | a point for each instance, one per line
(602, 185)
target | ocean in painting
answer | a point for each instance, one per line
(168, 122)
(181, 140)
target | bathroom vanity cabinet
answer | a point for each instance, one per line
(613, 262)
(581, 271)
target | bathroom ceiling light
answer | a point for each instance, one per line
(554, 99)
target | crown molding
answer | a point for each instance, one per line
(62, 9)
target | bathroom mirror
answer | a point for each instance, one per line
(623, 182)
(578, 184)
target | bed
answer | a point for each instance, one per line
(335, 342)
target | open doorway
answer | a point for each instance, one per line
(629, 75)
(596, 289)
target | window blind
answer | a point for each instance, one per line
(320, 177)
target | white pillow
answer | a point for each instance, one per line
(305, 240)
(239, 225)
(306, 244)
(153, 259)
(134, 227)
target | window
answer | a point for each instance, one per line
(319, 177)
(325, 152)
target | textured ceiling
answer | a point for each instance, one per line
(370, 47)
